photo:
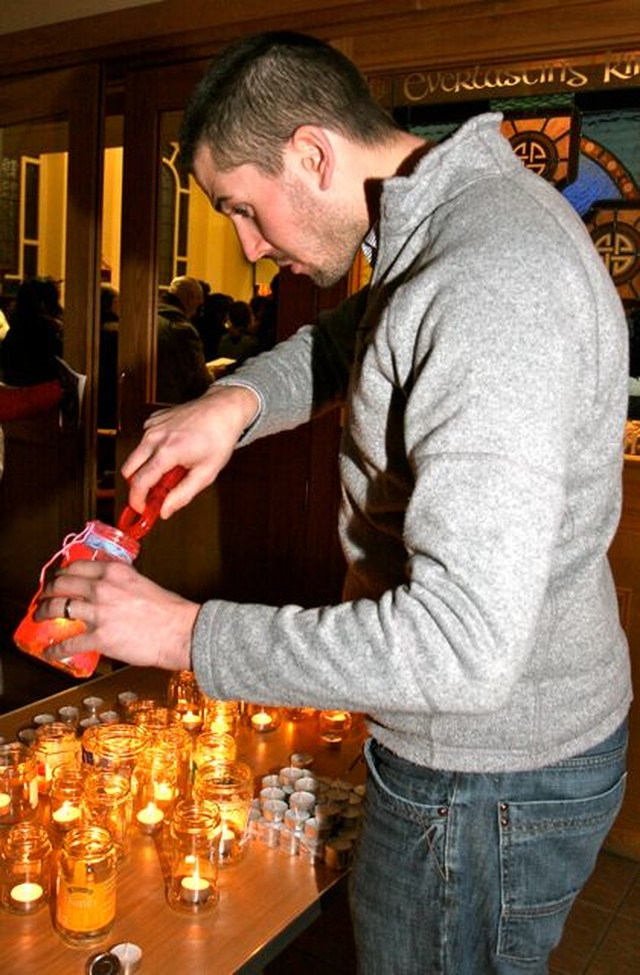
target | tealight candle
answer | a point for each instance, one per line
(66, 814)
(27, 893)
(195, 890)
(261, 721)
(191, 720)
(163, 791)
(150, 818)
(5, 802)
(335, 721)
(195, 832)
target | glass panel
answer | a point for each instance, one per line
(195, 241)
(33, 194)
(109, 341)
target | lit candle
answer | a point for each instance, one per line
(191, 720)
(26, 893)
(5, 802)
(163, 791)
(337, 720)
(66, 814)
(150, 817)
(228, 843)
(261, 721)
(195, 890)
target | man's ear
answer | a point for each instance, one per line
(315, 152)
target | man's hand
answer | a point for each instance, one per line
(200, 435)
(127, 617)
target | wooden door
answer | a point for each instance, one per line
(46, 490)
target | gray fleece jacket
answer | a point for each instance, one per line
(484, 372)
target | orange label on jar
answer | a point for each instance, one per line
(85, 909)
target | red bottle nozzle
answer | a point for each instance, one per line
(134, 524)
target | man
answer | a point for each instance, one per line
(484, 373)
(182, 372)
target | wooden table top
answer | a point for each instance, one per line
(266, 898)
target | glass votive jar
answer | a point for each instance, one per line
(299, 714)
(185, 698)
(212, 746)
(221, 717)
(55, 744)
(262, 717)
(25, 869)
(153, 718)
(65, 797)
(156, 790)
(114, 746)
(334, 722)
(18, 783)
(85, 885)
(176, 744)
(230, 786)
(107, 801)
(195, 842)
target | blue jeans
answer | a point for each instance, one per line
(472, 874)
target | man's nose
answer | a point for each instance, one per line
(253, 243)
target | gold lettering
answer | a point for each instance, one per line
(448, 82)
(575, 78)
(466, 80)
(622, 70)
(418, 86)
(508, 79)
(535, 76)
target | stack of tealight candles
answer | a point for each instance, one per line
(307, 815)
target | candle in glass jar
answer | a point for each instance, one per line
(163, 791)
(150, 817)
(191, 720)
(261, 721)
(27, 893)
(66, 814)
(195, 890)
(5, 802)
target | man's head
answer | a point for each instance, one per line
(189, 293)
(261, 89)
(286, 140)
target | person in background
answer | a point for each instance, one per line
(31, 347)
(238, 341)
(210, 322)
(479, 630)
(182, 372)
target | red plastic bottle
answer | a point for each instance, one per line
(96, 542)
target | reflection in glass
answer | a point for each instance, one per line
(33, 193)
(195, 242)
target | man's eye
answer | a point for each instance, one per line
(241, 211)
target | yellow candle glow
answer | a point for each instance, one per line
(261, 721)
(26, 893)
(191, 720)
(194, 890)
(163, 792)
(195, 883)
(66, 814)
(337, 718)
(5, 802)
(150, 815)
